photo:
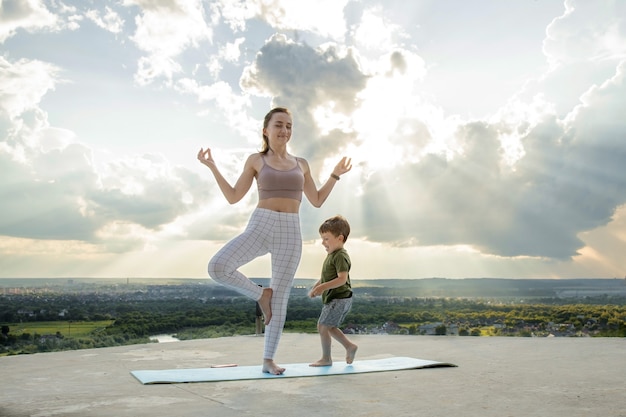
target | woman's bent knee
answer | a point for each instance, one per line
(217, 269)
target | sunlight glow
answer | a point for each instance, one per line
(328, 118)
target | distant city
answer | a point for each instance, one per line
(42, 315)
(425, 287)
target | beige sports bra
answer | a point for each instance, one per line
(276, 183)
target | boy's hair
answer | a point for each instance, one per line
(337, 225)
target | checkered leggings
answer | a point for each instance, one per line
(267, 232)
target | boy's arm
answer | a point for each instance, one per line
(319, 281)
(318, 289)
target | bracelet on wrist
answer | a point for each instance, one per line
(334, 176)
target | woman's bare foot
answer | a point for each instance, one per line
(265, 302)
(270, 367)
(322, 362)
(351, 353)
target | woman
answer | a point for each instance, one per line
(274, 226)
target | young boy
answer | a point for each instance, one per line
(335, 289)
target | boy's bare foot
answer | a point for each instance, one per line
(270, 367)
(322, 362)
(265, 302)
(351, 353)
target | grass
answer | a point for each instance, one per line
(66, 328)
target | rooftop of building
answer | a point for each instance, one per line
(495, 376)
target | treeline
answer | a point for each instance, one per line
(134, 321)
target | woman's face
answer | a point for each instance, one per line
(278, 129)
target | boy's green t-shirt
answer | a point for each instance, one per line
(338, 261)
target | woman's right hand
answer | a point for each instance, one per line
(204, 156)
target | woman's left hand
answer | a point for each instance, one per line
(343, 166)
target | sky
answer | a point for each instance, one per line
(486, 136)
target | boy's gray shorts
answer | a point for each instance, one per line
(335, 312)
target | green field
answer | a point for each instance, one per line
(65, 328)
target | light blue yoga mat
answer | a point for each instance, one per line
(294, 370)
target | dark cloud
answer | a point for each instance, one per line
(301, 78)
(569, 181)
(61, 197)
(41, 200)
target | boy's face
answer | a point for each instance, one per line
(331, 242)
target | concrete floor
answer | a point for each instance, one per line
(496, 376)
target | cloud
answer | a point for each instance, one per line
(30, 15)
(534, 179)
(374, 33)
(109, 20)
(35, 203)
(290, 71)
(323, 17)
(164, 29)
(24, 83)
(36, 16)
(564, 184)
(528, 182)
(582, 47)
(43, 204)
(142, 190)
(51, 188)
(586, 32)
(304, 78)
(59, 195)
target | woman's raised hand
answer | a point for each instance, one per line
(343, 166)
(204, 156)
